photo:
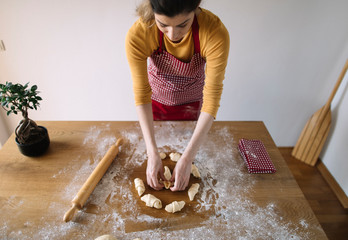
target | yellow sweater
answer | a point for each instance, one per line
(143, 39)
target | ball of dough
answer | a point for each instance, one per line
(162, 155)
(106, 237)
(175, 156)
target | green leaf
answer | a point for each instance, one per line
(16, 98)
(33, 88)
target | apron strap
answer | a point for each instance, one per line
(160, 48)
(195, 35)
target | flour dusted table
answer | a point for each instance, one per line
(231, 203)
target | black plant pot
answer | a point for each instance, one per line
(36, 148)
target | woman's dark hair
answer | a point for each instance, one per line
(171, 8)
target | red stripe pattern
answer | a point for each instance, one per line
(255, 156)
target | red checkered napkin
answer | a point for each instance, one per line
(255, 156)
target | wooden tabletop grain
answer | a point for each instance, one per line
(231, 203)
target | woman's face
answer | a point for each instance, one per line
(175, 28)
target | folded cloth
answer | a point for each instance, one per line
(255, 156)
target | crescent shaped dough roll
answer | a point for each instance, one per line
(175, 156)
(106, 237)
(175, 206)
(193, 191)
(162, 155)
(139, 186)
(167, 173)
(168, 176)
(151, 201)
(195, 172)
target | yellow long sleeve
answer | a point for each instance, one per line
(143, 39)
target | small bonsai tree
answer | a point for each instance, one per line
(18, 98)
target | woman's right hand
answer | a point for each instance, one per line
(153, 170)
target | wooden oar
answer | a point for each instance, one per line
(314, 134)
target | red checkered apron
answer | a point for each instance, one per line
(177, 87)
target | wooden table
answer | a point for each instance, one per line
(231, 203)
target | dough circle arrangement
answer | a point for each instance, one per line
(152, 201)
(110, 237)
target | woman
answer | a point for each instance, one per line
(187, 48)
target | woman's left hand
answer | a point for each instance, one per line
(182, 170)
(181, 175)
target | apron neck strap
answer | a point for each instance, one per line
(195, 34)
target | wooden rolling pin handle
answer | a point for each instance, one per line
(71, 212)
(88, 187)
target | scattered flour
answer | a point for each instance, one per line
(236, 216)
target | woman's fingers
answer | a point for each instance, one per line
(154, 168)
(181, 177)
(161, 173)
(154, 183)
(179, 185)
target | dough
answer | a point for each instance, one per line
(162, 155)
(151, 201)
(167, 173)
(195, 172)
(193, 191)
(168, 176)
(167, 184)
(106, 237)
(110, 237)
(175, 156)
(139, 186)
(175, 206)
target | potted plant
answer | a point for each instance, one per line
(31, 139)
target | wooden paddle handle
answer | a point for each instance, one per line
(92, 181)
(340, 78)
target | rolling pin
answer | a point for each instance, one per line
(92, 181)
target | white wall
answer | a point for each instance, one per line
(335, 152)
(282, 54)
(74, 51)
(4, 132)
(284, 58)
